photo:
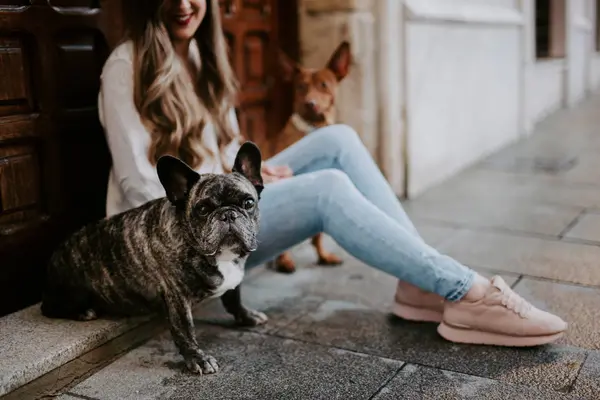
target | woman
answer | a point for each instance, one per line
(169, 89)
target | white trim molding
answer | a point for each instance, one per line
(582, 24)
(462, 11)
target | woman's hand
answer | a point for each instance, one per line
(272, 173)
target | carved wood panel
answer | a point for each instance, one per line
(250, 28)
(53, 156)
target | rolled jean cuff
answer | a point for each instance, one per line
(464, 286)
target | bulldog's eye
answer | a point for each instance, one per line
(202, 210)
(248, 204)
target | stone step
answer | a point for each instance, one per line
(40, 356)
(33, 346)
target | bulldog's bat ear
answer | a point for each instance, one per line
(248, 162)
(176, 177)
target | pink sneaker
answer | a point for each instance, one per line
(414, 304)
(500, 317)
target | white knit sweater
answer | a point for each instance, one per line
(133, 180)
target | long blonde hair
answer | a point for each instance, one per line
(174, 108)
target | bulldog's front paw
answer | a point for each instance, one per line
(251, 318)
(201, 364)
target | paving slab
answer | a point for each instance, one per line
(546, 153)
(421, 383)
(580, 169)
(587, 385)
(433, 234)
(350, 326)
(500, 212)
(253, 366)
(575, 304)
(568, 132)
(587, 228)
(281, 297)
(552, 259)
(587, 170)
(481, 184)
(531, 163)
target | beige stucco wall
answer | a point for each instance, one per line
(370, 97)
(323, 25)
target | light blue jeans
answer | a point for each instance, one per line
(338, 189)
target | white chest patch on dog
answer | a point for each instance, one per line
(301, 124)
(232, 268)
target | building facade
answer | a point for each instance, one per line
(438, 84)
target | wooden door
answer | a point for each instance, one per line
(53, 157)
(255, 30)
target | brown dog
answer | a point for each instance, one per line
(314, 107)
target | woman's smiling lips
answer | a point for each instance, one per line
(183, 20)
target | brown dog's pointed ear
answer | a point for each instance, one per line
(248, 162)
(340, 61)
(176, 177)
(289, 67)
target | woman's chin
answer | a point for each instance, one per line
(183, 32)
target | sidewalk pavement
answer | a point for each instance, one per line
(530, 213)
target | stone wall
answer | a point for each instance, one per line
(323, 25)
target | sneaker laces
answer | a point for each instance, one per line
(512, 300)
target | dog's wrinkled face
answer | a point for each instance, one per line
(221, 211)
(315, 89)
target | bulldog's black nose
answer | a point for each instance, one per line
(229, 216)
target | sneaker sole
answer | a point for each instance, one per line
(412, 313)
(469, 336)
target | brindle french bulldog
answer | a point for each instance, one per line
(159, 257)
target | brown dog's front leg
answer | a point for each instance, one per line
(325, 258)
(232, 301)
(284, 263)
(181, 324)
